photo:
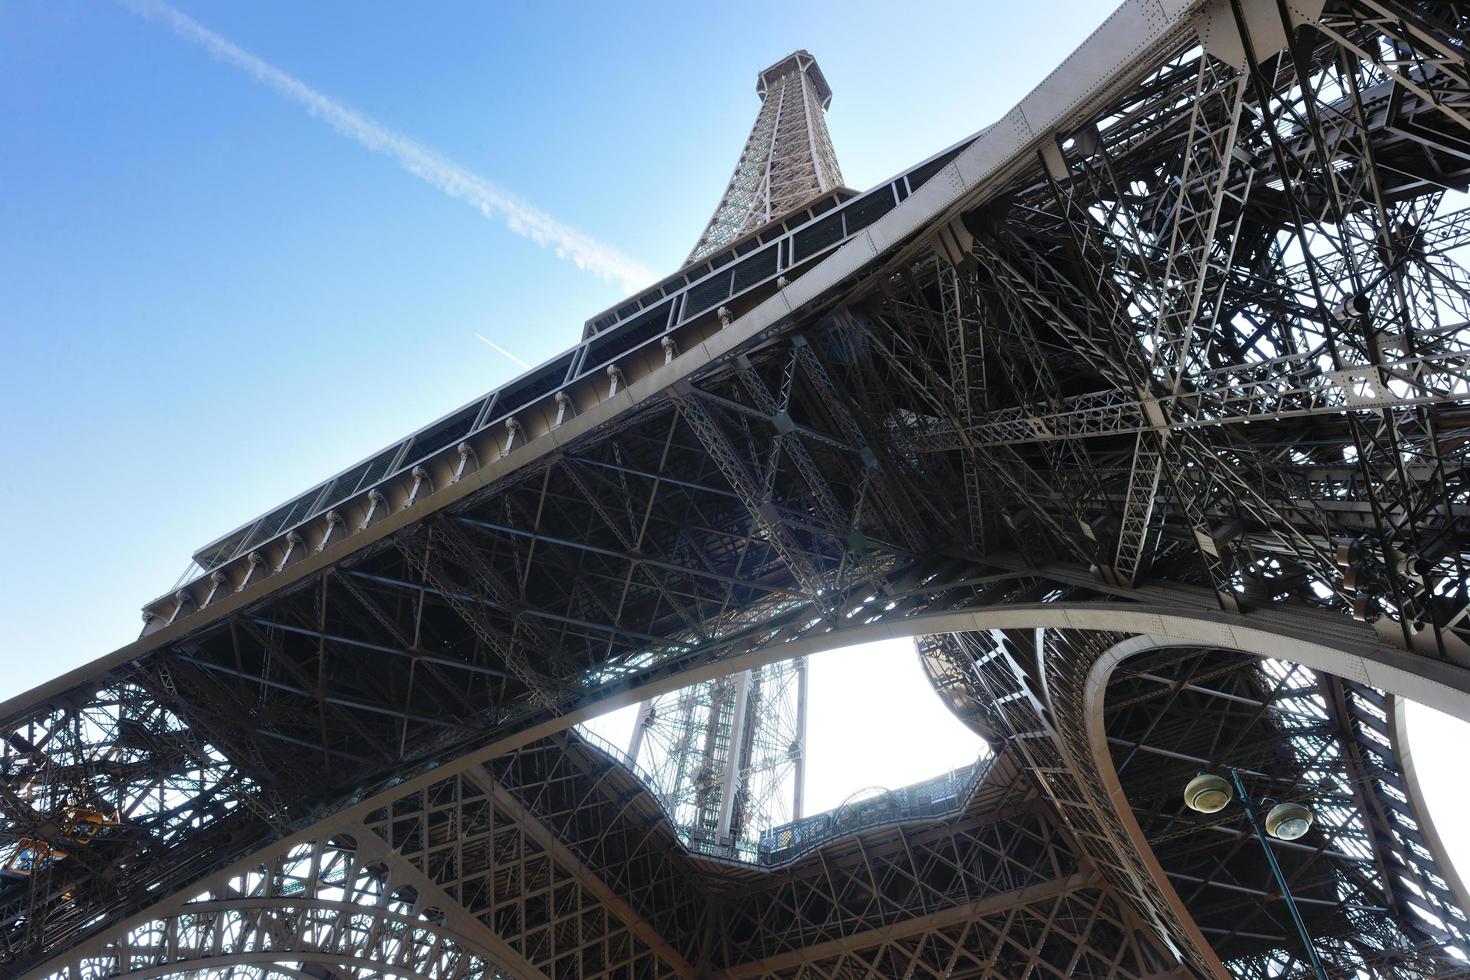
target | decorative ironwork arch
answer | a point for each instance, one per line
(1178, 347)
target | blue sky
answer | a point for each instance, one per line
(213, 298)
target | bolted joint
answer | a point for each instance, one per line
(253, 563)
(183, 600)
(294, 540)
(420, 478)
(1351, 307)
(217, 581)
(334, 523)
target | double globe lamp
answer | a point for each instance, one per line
(1210, 793)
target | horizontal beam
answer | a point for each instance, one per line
(534, 613)
(918, 925)
(365, 645)
(624, 556)
(316, 696)
(1259, 893)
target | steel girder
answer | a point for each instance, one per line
(486, 600)
(554, 861)
(1106, 719)
(322, 908)
(1368, 884)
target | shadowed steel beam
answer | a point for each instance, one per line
(989, 905)
(538, 832)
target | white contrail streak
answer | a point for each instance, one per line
(501, 350)
(417, 159)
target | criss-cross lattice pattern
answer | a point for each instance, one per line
(787, 160)
(1175, 350)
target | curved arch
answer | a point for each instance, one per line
(1321, 642)
(1102, 760)
(1403, 745)
(275, 969)
(344, 933)
(317, 902)
(1098, 678)
(274, 960)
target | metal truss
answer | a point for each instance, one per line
(1175, 350)
(725, 756)
(996, 892)
(476, 841)
(1378, 900)
(1360, 874)
(787, 160)
(323, 908)
(1050, 936)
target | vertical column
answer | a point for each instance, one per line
(635, 741)
(799, 793)
(736, 758)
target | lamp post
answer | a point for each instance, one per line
(1208, 793)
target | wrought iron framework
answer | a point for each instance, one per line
(727, 756)
(788, 158)
(1146, 405)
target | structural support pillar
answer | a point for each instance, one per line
(731, 779)
(798, 804)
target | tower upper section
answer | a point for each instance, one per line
(788, 158)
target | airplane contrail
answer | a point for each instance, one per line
(496, 347)
(427, 165)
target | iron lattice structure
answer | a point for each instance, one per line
(727, 756)
(788, 158)
(1145, 408)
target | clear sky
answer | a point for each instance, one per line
(244, 246)
(873, 720)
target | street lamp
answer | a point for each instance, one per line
(1288, 821)
(1210, 793)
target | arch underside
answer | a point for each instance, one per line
(1183, 358)
(1115, 725)
(554, 854)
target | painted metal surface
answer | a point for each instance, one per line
(1175, 349)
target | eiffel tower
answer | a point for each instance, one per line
(726, 757)
(1144, 409)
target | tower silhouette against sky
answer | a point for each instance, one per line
(1146, 409)
(728, 756)
(788, 158)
